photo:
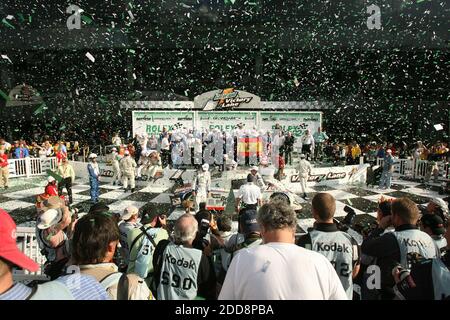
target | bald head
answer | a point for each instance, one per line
(185, 229)
(323, 207)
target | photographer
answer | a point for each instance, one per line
(427, 280)
(337, 246)
(250, 233)
(142, 245)
(397, 247)
(52, 239)
(384, 210)
(208, 236)
(439, 207)
(181, 271)
(433, 225)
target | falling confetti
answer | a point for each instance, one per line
(90, 56)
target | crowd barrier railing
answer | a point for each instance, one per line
(27, 243)
(417, 168)
(29, 167)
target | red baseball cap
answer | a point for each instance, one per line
(8, 246)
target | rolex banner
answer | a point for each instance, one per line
(296, 122)
(226, 121)
(152, 122)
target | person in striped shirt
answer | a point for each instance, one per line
(69, 287)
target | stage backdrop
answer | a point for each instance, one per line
(296, 122)
(226, 121)
(152, 122)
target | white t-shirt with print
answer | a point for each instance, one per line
(281, 271)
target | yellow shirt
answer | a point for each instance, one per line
(66, 171)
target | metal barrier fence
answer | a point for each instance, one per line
(27, 243)
(29, 167)
(417, 168)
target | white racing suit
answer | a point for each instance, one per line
(128, 166)
(201, 186)
(117, 176)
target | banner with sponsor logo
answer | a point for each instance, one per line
(226, 121)
(226, 99)
(355, 174)
(152, 122)
(295, 122)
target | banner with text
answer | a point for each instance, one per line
(226, 121)
(295, 122)
(152, 122)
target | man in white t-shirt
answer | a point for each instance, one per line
(278, 269)
(249, 195)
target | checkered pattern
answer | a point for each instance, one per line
(296, 105)
(163, 105)
(266, 105)
(19, 200)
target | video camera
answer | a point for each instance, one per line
(347, 222)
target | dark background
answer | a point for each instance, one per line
(389, 84)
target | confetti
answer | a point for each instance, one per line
(4, 56)
(90, 56)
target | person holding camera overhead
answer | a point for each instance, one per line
(406, 245)
(340, 248)
(142, 245)
(181, 271)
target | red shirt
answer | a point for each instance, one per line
(4, 161)
(51, 190)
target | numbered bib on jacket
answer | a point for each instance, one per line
(145, 254)
(179, 273)
(339, 249)
(415, 241)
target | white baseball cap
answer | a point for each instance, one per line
(205, 167)
(49, 218)
(254, 168)
(389, 151)
(50, 179)
(129, 212)
(92, 155)
(127, 152)
(113, 149)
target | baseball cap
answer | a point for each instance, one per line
(254, 168)
(205, 167)
(248, 222)
(302, 156)
(49, 218)
(114, 149)
(92, 155)
(50, 179)
(127, 152)
(389, 151)
(129, 212)
(434, 222)
(8, 246)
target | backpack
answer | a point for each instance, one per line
(144, 254)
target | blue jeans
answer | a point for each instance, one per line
(93, 183)
(386, 177)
